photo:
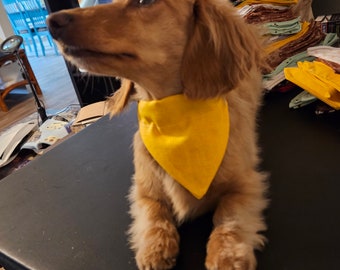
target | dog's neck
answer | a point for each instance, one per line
(155, 93)
(150, 89)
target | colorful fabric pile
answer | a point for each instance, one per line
(321, 77)
(298, 49)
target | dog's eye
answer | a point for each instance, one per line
(145, 2)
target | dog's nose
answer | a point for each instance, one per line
(57, 22)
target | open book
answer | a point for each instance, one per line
(12, 139)
(29, 136)
(47, 134)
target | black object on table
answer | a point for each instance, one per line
(67, 210)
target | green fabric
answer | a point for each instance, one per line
(283, 28)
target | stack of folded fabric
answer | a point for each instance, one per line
(290, 31)
(282, 59)
(309, 35)
(328, 55)
(321, 77)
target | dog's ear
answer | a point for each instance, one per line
(221, 51)
(119, 100)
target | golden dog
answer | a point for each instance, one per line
(199, 51)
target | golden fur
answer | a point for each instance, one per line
(203, 49)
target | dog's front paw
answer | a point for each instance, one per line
(228, 252)
(159, 249)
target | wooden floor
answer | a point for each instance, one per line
(55, 83)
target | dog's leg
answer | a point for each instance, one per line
(237, 223)
(153, 233)
(154, 236)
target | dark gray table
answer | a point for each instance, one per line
(67, 210)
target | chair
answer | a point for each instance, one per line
(19, 23)
(36, 15)
(28, 19)
(11, 76)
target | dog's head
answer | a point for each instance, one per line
(201, 48)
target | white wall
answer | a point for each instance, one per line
(5, 26)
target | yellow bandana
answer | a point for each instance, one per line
(188, 138)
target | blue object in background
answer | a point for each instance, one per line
(104, 1)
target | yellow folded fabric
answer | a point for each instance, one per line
(303, 76)
(276, 2)
(188, 138)
(324, 89)
(326, 74)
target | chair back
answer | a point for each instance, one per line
(10, 6)
(35, 13)
(28, 19)
(17, 19)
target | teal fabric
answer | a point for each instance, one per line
(283, 28)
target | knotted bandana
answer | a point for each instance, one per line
(188, 138)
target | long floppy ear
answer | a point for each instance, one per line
(119, 100)
(221, 51)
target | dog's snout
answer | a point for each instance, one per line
(57, 22)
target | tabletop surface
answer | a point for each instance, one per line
(68, 208)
